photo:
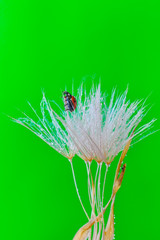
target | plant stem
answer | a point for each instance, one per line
(89, 184)
(99, 190)
(78, 191)
(95, 184)
(103, 199)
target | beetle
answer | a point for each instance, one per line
(70, 102)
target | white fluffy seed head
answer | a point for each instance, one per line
(95, 130)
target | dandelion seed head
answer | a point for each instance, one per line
(95, 130)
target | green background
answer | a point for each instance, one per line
(46, 45)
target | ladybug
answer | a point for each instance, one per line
(70, 102)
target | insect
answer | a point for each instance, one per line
(70, 102)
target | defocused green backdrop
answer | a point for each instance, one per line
(48, 45)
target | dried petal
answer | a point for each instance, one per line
(118, 182)
(125, 150)
(109, 231)
(84, 231)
